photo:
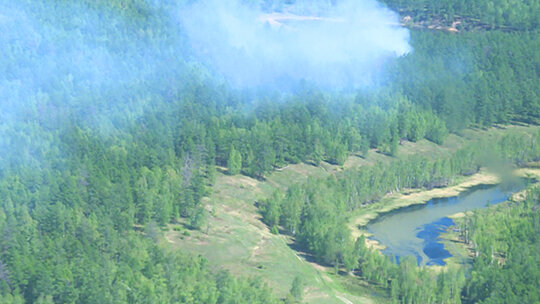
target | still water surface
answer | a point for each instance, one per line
(415, 230)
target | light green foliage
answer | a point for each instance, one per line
(92, 169)
(325, 204)
(506, 240)
(234, 163)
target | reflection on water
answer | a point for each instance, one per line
(415, 230)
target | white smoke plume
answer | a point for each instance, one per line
(332, 45)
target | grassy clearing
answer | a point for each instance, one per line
(236, 239)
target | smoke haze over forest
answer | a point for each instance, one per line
(339, 45)
(211, 151)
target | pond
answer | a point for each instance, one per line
(416, 230)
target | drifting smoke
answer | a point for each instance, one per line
(103, 65)
(90, 59)
(331, 45)
(87, 62)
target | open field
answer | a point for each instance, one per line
(236, 239)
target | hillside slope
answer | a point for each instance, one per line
(235, 237)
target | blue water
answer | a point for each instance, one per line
(415, 230)
(433, 248)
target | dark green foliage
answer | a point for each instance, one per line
(297, 289)
(480, 15)
(70, 238)
(506, 243)
(92, 170)
(316, 212)
(406, 282)
(271, 210)
(326, 203)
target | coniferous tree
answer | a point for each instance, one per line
(234, 162)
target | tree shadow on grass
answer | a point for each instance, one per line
(304, 253)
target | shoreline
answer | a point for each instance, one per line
(461, 255)
(413, 197)
(449, 239)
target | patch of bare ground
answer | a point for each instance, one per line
(237, 181)
(259, 248)
(528, 172)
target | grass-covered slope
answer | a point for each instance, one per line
(236, 237)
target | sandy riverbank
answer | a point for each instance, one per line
(414, 197)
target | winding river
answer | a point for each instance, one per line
(415, 230)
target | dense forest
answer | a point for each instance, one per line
(505, 241)
(501, 14)
(316, 214)
(109, 132)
